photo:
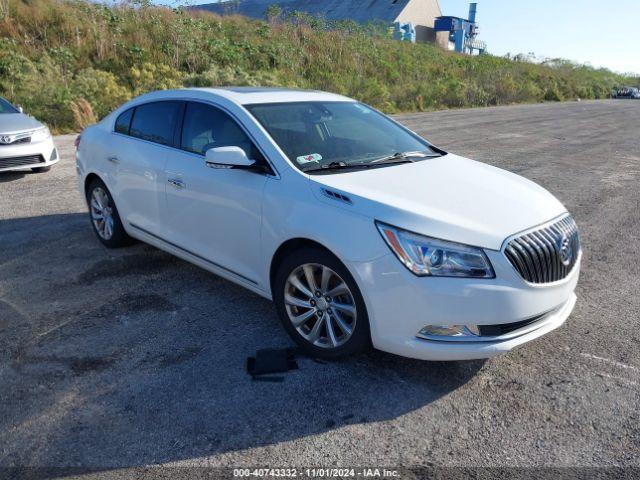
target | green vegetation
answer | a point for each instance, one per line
(57, 55)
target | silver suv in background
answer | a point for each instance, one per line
(25, 143)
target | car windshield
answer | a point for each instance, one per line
(6, 107)
(318, 135)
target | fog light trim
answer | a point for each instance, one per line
(449, 332)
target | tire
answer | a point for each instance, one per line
(101, 205)
(313, 334)
(41, 169)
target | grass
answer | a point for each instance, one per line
(68, 62)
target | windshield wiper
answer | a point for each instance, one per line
(338, 166)
(403, 157)
(396, 158)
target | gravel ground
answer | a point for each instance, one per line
(120, 359)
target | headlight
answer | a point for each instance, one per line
(40, 134)
(425, 256)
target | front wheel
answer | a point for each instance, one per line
(105, 219)
(320, 304)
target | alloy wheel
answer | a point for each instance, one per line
(320, 305)
(101, 213)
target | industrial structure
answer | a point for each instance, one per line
(410, 20)
(421, 13)
(460, 34)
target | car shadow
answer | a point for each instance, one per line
(125, 358)
(11, 176)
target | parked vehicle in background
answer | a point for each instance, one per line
(627, 93)
(25, 143)
(358, 229)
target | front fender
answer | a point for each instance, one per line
(292, 211)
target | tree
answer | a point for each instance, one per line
(273, 13)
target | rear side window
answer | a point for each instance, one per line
(206, 127)
(156, 122)
(124, 122)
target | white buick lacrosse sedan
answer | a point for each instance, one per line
(359, 230)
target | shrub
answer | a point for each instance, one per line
(83, 115)
(149, 77)
(102, 88)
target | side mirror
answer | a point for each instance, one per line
(228, 157)
(20, 109)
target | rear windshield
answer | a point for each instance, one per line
(313, 134)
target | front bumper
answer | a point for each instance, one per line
(400, 304)
(25, 156)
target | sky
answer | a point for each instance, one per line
(600, 33)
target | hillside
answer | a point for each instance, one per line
(55, 56)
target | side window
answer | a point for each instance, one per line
(124, 122)
(156, 122)
(206, 127)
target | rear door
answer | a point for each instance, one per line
(215, 213)
(140, 160)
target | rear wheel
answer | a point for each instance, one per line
(105, 219)
(320, 304)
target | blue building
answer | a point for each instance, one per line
(460, 34)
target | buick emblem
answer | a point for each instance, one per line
(566, 250)
(5, 139)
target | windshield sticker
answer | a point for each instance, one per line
(314, 157)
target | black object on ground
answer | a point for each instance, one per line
(269, 361)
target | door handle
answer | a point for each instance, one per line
(176, 182)
(114, 160)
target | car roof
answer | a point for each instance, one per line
(251, 95)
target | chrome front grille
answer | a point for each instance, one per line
(547, 254)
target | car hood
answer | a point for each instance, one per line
(450, 197)
(17, 122)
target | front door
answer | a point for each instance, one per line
(214, 213)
